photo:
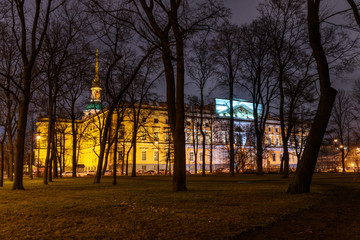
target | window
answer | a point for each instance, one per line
(167, 121)
(156, 156)
(156, 120)
(274, 157)
(269, 140)
(276, 130)
(143, 155)
(207, 138)
(156, 136)
(269, 129)
(188, 123)
(207, 125)
(200, 157)
(143, 135)
(191, 156)
(188, 137)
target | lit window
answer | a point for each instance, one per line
(143, 155)
(191, 157)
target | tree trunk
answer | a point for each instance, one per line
(259, 153)
(11, 156)
(133, 171)
(2, 164)
(202, 131)
(103, 144)
(179, 176)
(54, 157)
(231, 129)
(74, 145)
(286, 161)
(20, 142)
(115, 148)
(127, 163)
(343, 160)
(305, 169)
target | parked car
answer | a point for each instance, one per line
(141, 171)
(81, 174)
(219, 170)
(67, 174)
(151, 172)
(90, 173)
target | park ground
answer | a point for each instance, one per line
(214, 207)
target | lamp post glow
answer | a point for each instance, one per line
(38, 137)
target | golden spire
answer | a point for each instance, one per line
(96, 82)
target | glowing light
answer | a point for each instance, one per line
(38, 137)
(335, 140)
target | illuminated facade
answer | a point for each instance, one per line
(154, 148)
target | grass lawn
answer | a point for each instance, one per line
(214, 207)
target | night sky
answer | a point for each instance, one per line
(244, 11)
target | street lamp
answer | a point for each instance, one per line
(38, 137)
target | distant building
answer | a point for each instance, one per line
(154, 147)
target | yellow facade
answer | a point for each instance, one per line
(152, 139)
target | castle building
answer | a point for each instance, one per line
(154, 149)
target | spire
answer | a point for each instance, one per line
(96, 82)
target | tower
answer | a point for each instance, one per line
(95, 104)
(96, 84)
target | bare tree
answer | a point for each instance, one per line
(168, 26)
(305, 169)
(117, 43)
(286, 22)
(259, 81)
(201, 68)
(139, 94)
(228, 50)
(341, 124)
(29, 43)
